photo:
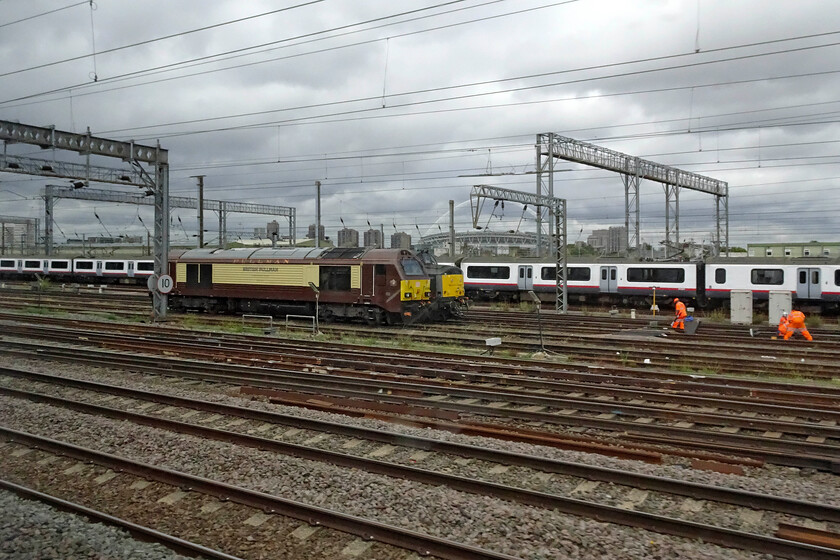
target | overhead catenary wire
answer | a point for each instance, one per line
(42, 14)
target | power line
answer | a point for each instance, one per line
(212, 58)
(43, 14)
(149, 41)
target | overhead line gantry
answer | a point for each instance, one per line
(551, 146)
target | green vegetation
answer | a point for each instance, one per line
(814, 321)
(717, 316)
(41, 285)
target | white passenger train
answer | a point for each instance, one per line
(77, 270)
(809, 281)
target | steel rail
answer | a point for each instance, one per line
(804, 454)
(736, 497)
(822, 413)
(179, 545)
(408, 390)
(417, 541)
(644, 377)
(364, 528)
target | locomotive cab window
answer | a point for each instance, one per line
(720, 276)
(775, 276)
(335, 278)
(659, 275)
(410, 267)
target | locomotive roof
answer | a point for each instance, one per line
(292, 253)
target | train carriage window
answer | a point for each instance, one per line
(575, 273)
(84, 266)
(774, 276)
(7, 263)
(146, 266)
(720, 276)
(815, 277)
(803, 276)
(612, 273)
(411, 268)
(657, 275)
(603, 274)
(837, 277)
(114, 266)
(60, 265)
(192, 274)
(335, 278)
(488, 272)
(379, 275)
(32, 264)
(205, 275)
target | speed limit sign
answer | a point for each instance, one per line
(165, 284)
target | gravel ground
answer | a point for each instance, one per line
(803, 484)
(482, 521)
(31, 530)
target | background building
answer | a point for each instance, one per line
(272, 230)
(608, 241)
(373, 238)
(311, 234)
(400, 240)
(793, 250)
(348, 238)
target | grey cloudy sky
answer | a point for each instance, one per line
(396, 106)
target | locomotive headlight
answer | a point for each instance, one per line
(408, 295)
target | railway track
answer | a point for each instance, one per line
(379, 452)
(615, 342)
(773, 430)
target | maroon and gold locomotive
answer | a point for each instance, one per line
(377, 285)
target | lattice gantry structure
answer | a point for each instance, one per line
(149, 168)
(556, 208)
(632, 169)
(222, 207)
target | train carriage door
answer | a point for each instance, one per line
(609, 279)
(99, 268)
(808, 283)
(525, 280)
(130, 269)
(367, 281)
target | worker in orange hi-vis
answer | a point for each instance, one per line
(679, 315)
(783, 324)
(796, 324)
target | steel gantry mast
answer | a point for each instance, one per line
(51, 192)
(552, 146)
(556, 208)
(150, 164)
